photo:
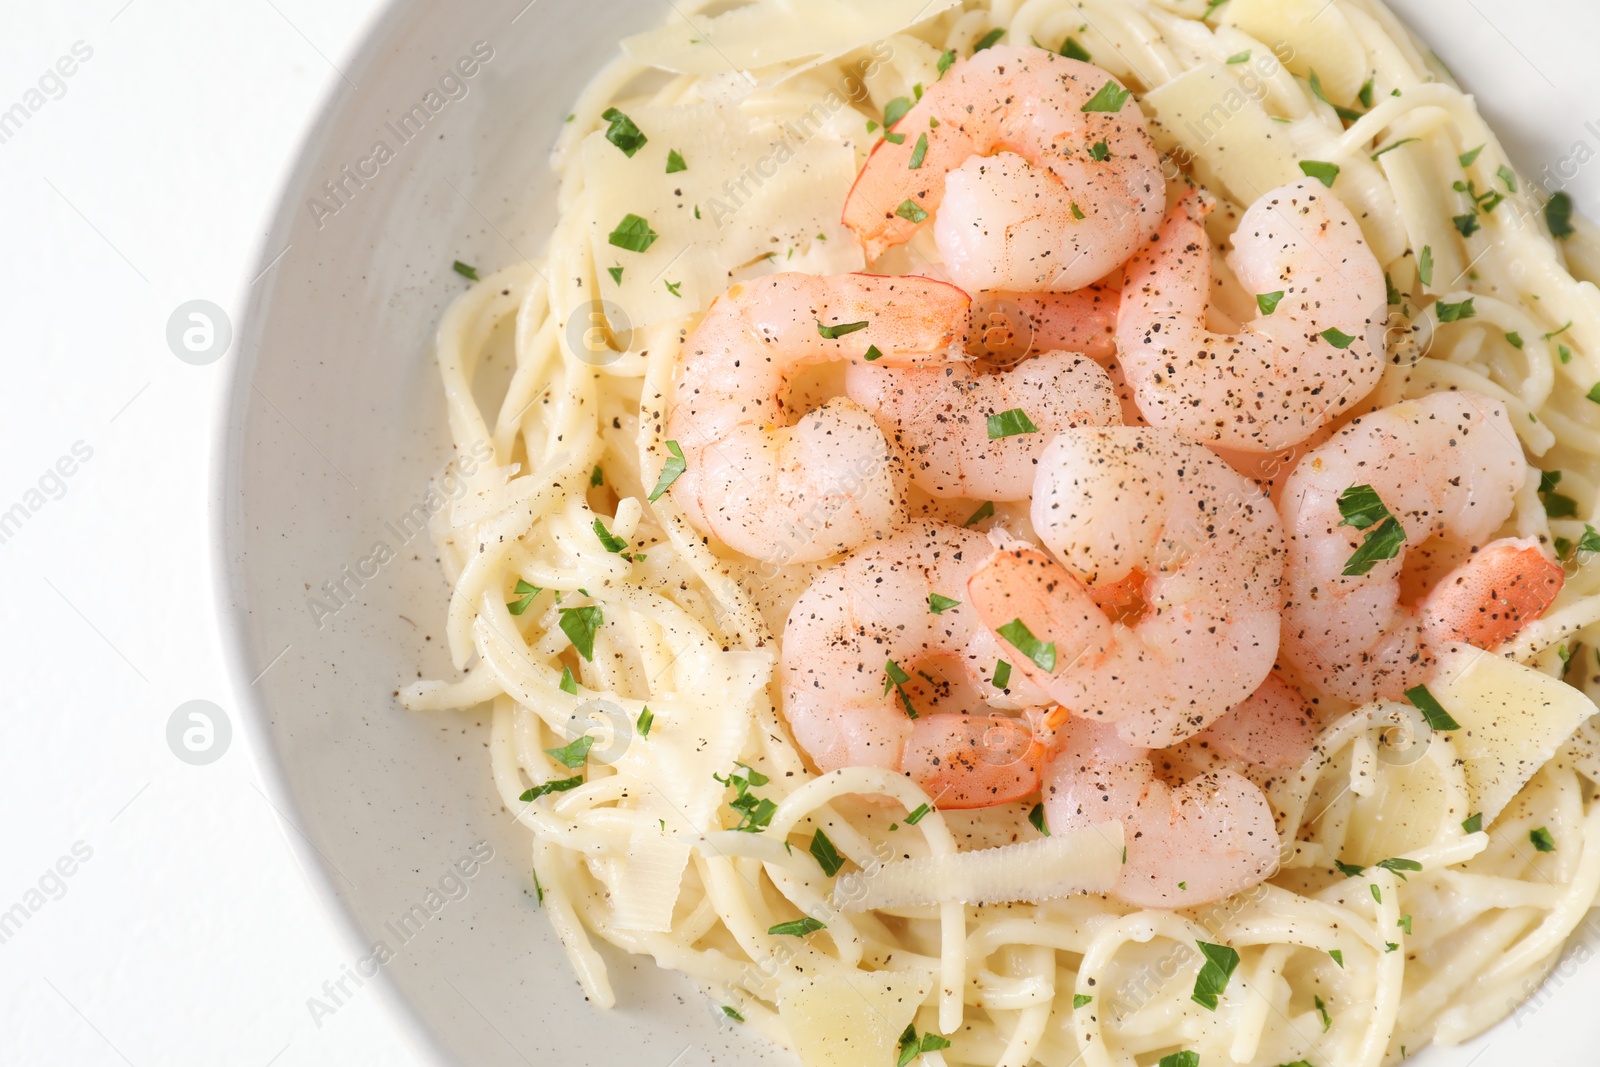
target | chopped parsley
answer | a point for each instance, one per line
(468, 272)
(527, 593)
(1022, 639)
(634, 234)
(833, 333)
(1456, 312)
(1036, 816)
(1556, 505)
(798, 927)
(1349, 870)
(910, 212)
(1508, 176)
(1361, 508)
(732, 1013)
(623, 133)
(757, 811)
(1322, 1010)
(919, 153)
(911, 1047)
(580, 624)
(1425, 265)
(1558, 216)
(1391, 148)
(1077, 212)
(825, 854)
(1213, 977)
(872, 354)
(568, 683)
(916, 815)
(1473, 823)
(1399, 866)
(1470, 157)
(1467, 224)
(597, 477)
(1010, 424)
(673, 287)
(1404, 923)
(988, 40)
(675, 162)
(1002, 674)
(616, 274)
(1377, 894)
(1514, 339)
(1073, 50)
(946, 58)
(560, 785)
(896, 678)
(1239, 57)
(941, 604)
(1109, 99)
(1337, 337)
(1099, 152)
(647, 719)
(1080, 999)
(1432, 710)
(671, 471)
(610, 541)
(1542, 840)
(1268, 302)
(574, 755)
(1338, 956)
(986, 511)
(1325, 173)
(1186, 1058)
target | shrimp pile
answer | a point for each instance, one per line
(1145, 645)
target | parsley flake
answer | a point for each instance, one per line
(1010, 423)
(1109, 99)
(1213, 977)
(1022, 639)
(671, 471)
(623, 133)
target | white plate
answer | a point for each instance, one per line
(336, 426)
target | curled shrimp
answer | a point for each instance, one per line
(1198, 554)
(879, 643)
(1038, 170)
(1297, 366)
(944, 419)
(1190, 844)
(830, 481)
(1446, 468)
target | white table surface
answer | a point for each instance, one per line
(188, 936)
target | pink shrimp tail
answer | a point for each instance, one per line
(1486, 600)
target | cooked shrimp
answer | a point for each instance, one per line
(874, 609)
(1038, 169)
(1446, 468)
(1289, 371)
(830, 482)
(945, 419)
(1194, 844)
(1119, 502)
(1273, 729)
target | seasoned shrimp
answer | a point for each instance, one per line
(901, 602)
(1274, 729)
(1304, 360)
(1205, 550)
(945, 419)
(1194, 844)
(830, 482)
(1038, 168)
(1446, 468)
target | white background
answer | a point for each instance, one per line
(189, 936)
